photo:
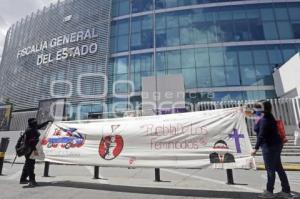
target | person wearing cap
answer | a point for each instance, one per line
(31, 139)
(269, 141)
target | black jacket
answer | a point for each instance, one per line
(267, 132)
(32, 136)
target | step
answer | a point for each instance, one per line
(283, 154)
(285, 145)
(288, 137)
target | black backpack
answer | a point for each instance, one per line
(21, 148)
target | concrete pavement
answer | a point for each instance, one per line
(76, 181)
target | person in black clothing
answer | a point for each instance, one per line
(31, 139)
(269, 141)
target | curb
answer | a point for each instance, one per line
(286, 166)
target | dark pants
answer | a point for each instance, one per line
(273, 164)
(28, 169)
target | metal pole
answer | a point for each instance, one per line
(96, 172)
(229, 176)
(157, 175)
(46, 169)
(3, 147)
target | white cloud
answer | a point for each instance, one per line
(13, 10)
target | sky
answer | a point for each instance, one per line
(13, 10)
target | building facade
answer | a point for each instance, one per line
(225, 50)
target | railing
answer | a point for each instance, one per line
(286, 109)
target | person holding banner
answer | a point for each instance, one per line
(31, 139)
(268, 139)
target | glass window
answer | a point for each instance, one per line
(202, 57)
(135, 65)
(294, 11)
(161, 38)
(260, 56)
(120, 7)
(232, 76)
(172, 20)
(226, 31)
(296, 29)
(239, 13)
(270, 30)
(160, 21)
(263, 75)
(174, 71)
(281, 13)
(113, 44)
(123, 27)
(267, 14)
(189, 78)
(173, 59)
(185, 2)
(241, 32)
(198, 16)
(160, 61)
(231, 57)
(137, 82)
(136, 25)
(141, 5)
(256, 30)
(245, 57)
(115, 7)
(218, 76)
(173, 37)
(255, 95)
(275, 55)
(285, 30)
(227, 96)
(212, 34)
(122, 43)
(203, 77)
(248, 75)
(187, 58)
(136, 40)
(186, 35)
(170, 3)
(121, 65)
(142, 62)
(200, 34)
(159, 4)
(185, 18)
(121, 87)
(253, 13)
(288, 51)
(147, 22)
(123, 7)
(142, 34)
(225, 14)
(216, 57)
(146, 62)
(114, 29)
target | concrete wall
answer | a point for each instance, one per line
(287, 78)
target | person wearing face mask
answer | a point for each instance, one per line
(31, 139)
(268, 139)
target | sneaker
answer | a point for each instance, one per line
(266, 194)
(284, 195)
(24, 181)
(32, 184)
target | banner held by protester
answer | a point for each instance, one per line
(215, 138)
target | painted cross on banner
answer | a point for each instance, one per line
(236, 136)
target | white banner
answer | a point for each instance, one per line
(217, 139)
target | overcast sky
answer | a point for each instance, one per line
(13, 10)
